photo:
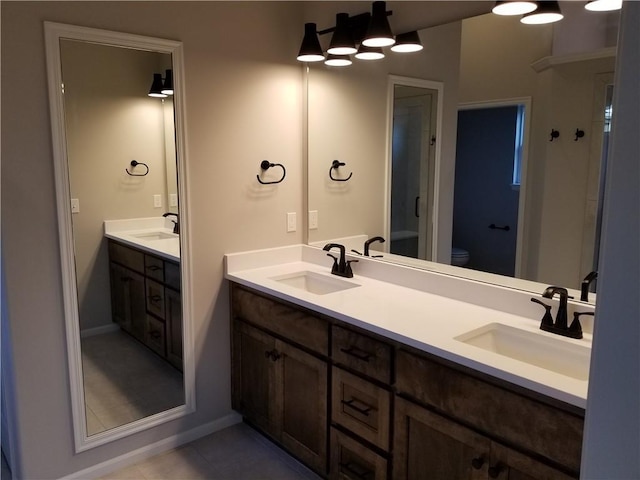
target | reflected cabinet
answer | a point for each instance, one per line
(351, 404)
(146, 301)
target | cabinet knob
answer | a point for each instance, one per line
(494, 472)
(272, 354)
(477, 462)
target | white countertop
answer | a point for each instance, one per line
(415, 316)
(140, 232)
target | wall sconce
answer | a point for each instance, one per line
(160, 88)
(310, 50)
(547, 12)
(407, 42)
(379, 33)
(156, 87)
(514, 7)
(603, 5)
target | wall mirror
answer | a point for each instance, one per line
(120, 182)
(540, 79)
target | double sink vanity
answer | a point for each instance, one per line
(403, 373)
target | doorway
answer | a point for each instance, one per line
(488, 176)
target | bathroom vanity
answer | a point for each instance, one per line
(145, 286)
(400, 396)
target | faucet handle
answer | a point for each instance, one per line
(349, 271)
(547, 319)
(575, 329)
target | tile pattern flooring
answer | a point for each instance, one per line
(125, 381)
(235, 453)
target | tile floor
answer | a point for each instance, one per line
(235, 453)
(125, 381)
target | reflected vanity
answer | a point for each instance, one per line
(119, 167)
(360, 115)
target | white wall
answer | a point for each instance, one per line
(612, 427)
(109, 120)
(243, 105)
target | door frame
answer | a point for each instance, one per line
(394, 80)
(521, 255)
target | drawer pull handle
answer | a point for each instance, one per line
(355, 470)
(494, 472)
(357, 353)
(349, 403)
(272, 354)
(154, 268)
(155, 298)
(477, 462)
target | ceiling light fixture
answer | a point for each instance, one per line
(379, 33)
(156, 87)
(547, 12)
(310, 49)
(338, 60)
(407, 42)
(369, 53)
(514, 7)
(167, 86)
(342, 40)
(603, 5)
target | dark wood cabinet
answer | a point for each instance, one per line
(146, 301)
(396, 412)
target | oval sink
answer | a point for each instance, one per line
(149, 236)
(537, 349)
(313, 282)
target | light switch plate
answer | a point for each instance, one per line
(157, 201)
(173, 199)
(291, 222)
(75, 205)
(313, 219)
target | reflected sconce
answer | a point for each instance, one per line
(379, 33)
(369, 53)
(407, 42)
(547, 12)
(603, 5)
(167, 86)
(342, 42)
(156, 87)
(515, 7)
(338, 60)
(310, 50)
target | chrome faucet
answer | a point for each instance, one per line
(341, 266)
(176, 222)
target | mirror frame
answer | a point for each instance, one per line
(54, 32)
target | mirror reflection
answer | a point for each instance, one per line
(496, 74)
(121, 158)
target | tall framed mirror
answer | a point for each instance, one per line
(541, 79)
(123, 225)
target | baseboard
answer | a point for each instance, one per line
(153, 449)
(90, 332)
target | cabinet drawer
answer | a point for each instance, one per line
(172, 275)
(154, 267)
(533, 425)
(155, 298)
(154, 335)
(352, 460)
(126, 256)
(361, 353)
(297, 326)
(361, 407)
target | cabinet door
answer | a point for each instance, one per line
(507, 464)
(253, 376)
(173, 316)
(302, 405)
(427, 445)
(128, 300)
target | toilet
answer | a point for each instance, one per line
(459, 257)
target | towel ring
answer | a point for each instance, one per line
(335, 165)
(265, 165)
(134, 164)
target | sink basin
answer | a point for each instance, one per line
(533, 348)
(313, 282)
(150, 236)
